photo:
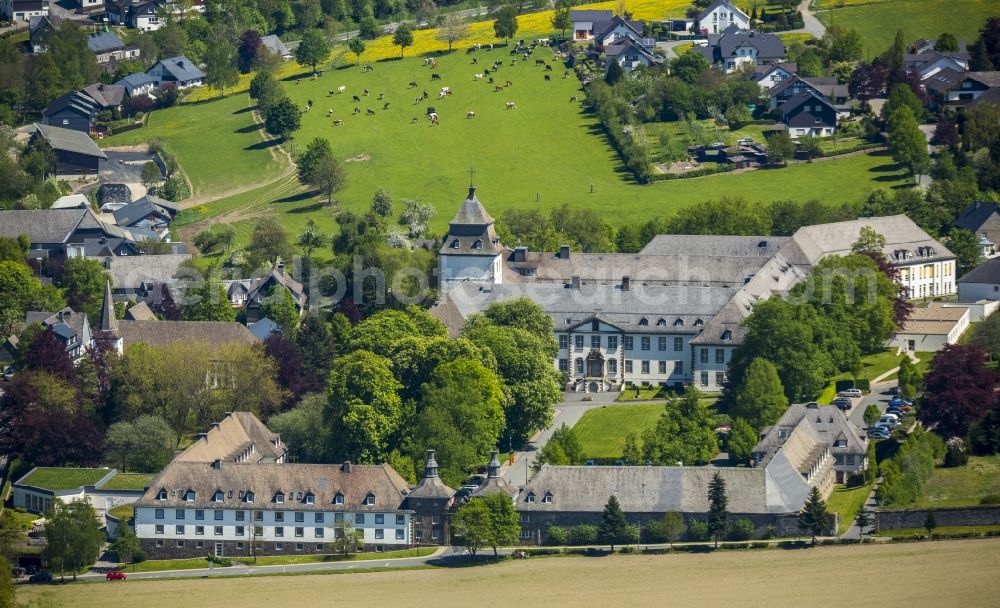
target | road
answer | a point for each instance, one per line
(812, 25)
(569, 412)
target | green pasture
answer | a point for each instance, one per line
(602, 432)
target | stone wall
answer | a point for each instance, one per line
(954, 516)
(168, 548)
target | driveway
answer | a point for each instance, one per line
(811, 25)
(123, 168)
(879, 396)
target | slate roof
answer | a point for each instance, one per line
(823, 425)
(132, 271)
(761, 71)
(106, 95)
(594, 16)
(239, 437)
(606, 27)
(805, 118)
(104, 41)
(71, 201)
(494, 483)
(113, 194)
(71, 101)
(275, 45)
(181, 68)
(991, 95)
(989, 79)
(69, 140)
(710, 245)
(976, 214)
(623, 46)
(722, 46)
(431, 485)
(140, 312)
(944, 80)
(44, 225)
(295, 481)
(135, 81)
(216, 334)
(987, 272)
(263, 329)
(71, 320)
(471, 225)
(726, 3)
(901, 234)
(137, 211)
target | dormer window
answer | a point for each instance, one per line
(679, 323)
(698, 323)
(644, 321)
(218, 496)
(162, 494)
(661, 322)
(477, 244)
(310, 498)
(248, 497)
(455, 244)
(727, 335)
(338, 499)
(547, 499)
(840, 443)
(530, 498)
(189, 495)
(370, 500)
(279, 497)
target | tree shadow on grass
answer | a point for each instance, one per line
(886, 168)
(263, 145)
(887, 178)
(248, 129)
(244, 110)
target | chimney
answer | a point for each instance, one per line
(574, 281)
(346, 467)
(431, 465)
(626, 280)
(279, 266)
(216, 464)
(60, 315)
(107, 262)
(564, 252)
(520, 254)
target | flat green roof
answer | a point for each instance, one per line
(128, 481)
(58, 478)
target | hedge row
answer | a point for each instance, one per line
(696, 173)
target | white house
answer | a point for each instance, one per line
(176, 71)
(42, 486)
(631, 54)
(931, 328)
(587, 23)
(23, 10)
(720, 15)
(981, 283)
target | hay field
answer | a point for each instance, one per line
(915, 575)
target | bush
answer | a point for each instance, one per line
(760, 545)
(698, 530)
(555, 535)
(138, 557)
(990, 499)
(955, 453)
(584, 534)
(770, 532)
(740, 529)
(906, 471)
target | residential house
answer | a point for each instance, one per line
(58, 232)
(931, 328)
(249, 294)
(721, 15)
(734, 49)
(274, 44)
(631, 54)
(215, 334)
(982, 219)
(239, 437)
(981, 283)
(770, 75)
(142, 15)
(139, 83)
(618, 29)
(108, 47)
(178, 71)
(132, 275)
(836, 94)
(430, 502)
(144, 214)
(39, 489)
(76, 153)
(105, 96)
(23, 10)
(809, 115)
(90, 7)
(587, 23)
(969, 86)
(140, 312)
(669, 315)
(74, 110)
(264, 328)
(241, 509)
(827, 428)
(40, 30)
(928, 63)
(70, 327)
(71, 201)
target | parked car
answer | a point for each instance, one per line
(899, 402)
(894, 412)
(853, 393)
(842, 403)
(888, 419)
(879, 432)
(115, 575)
(40, 577)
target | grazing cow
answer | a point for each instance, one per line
(491, 46)
(509, 83)
(474, 61)
(427, 61)
(418, 99)
(565, 73)
(356, 111)
(435, 76)
(341, 88)
(497, 89)
(539, 62)
(413, 84)
(548, 68)
(470, 114)
(367, 68)
(572, 99)
(338, 122)
(365, 93)
(469, 50)
(478, 46)
(486, 72)
(434, 118)
(547, 78)
(355, 98)
(413, 120)
(479, 76)
(425, 95)
(491, 80)
(513, 61)
(511, 105)
(371, 112)
(446, 90)
(329, 113)
(330, 92)
(385, 106)
(380, 95)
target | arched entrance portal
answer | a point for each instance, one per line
(595, 364)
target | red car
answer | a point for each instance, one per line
(117, 576)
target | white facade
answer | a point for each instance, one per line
(717, 18)
(774, 77)
(974, 292)
(744, 56)
(475, 268)
(926, 279)
(314, 530)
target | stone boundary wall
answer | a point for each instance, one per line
(945, 516)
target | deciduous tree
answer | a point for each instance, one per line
(364, 409)
(357, 46)
(313, 49)
(684, 433)
(208, 301)
(505, 25)
(282, 117)
(758, 398)
(73, 536)
(403, 37)
(742, 439)
(83, 281)
(959, 390)
(453, 29)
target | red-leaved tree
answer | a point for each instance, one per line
(959, 390)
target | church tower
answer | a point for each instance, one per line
(471, 251)
(108, 330)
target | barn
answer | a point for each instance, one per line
(76, 153)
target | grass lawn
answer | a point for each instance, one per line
(23, 519)
(216, 143)
(56, 478)
(873, 366)
(922, 365)
(647, 393)
(128, 481)
(602, 431)
(961, 486)
(878, 20)
(846, 502)
(938, 530)
(924, 575)
(277, 560)
(123, 512)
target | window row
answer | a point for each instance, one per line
(248, 496)
(279, 516)
(645, 342)
(278, 531)
(579, 365)
(720, 355)
(720, 378)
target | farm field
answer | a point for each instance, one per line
(961, 486)
(567, 153)
(602, 432)
(923, 575)
(217, 144)
(878, 20)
